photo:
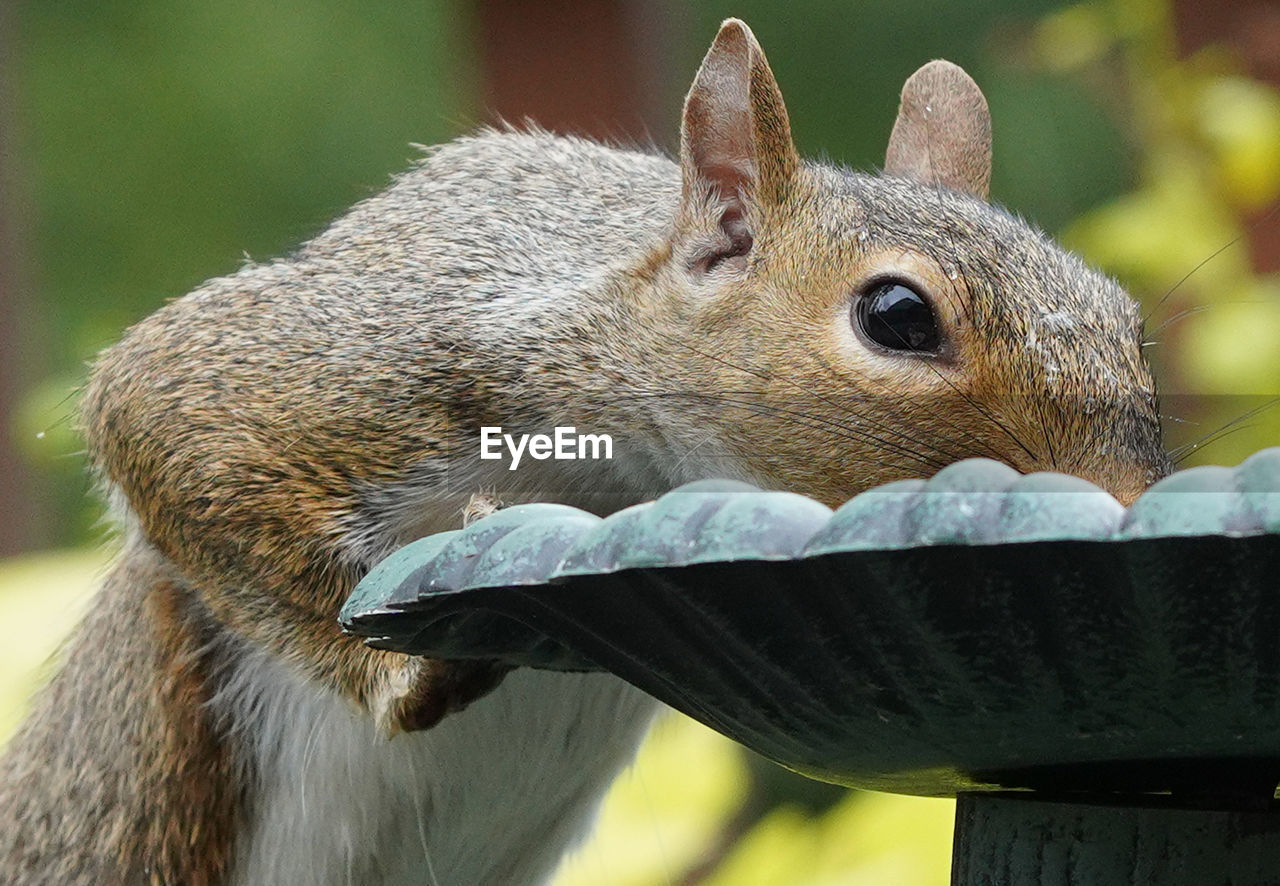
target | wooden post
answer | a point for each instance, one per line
(588, 67)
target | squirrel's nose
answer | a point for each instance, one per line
(1125, 481)
(1127, 496)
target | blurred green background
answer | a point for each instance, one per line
(148, 145)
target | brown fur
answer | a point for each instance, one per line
(122, 736)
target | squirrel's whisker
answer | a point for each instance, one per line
(982, 411)
(817, 422)
(1044, 427)
(770, 377)
(1180, 453)
(1254, 225)
(1185, 312)
(889, 402)
(978, 446)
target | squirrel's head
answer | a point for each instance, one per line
(888, 325)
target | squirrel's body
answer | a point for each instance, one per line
(269, 437)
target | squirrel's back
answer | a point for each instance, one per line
(503, 215)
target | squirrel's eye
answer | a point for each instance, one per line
(894, 315)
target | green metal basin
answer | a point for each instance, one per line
(978, 630)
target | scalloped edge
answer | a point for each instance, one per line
(975, 502)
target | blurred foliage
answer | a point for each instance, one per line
(41, 597)
(667, 807)
(164, 139)
(1207, 142)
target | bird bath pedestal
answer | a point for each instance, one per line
(1099, 687)
(1006, 840)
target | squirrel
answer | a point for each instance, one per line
(267, 438)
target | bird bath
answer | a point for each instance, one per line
(1098, 687)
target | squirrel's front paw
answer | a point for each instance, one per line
(424, 690)
(419, 694)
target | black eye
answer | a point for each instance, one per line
(894, 315)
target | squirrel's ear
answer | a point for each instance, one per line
(943, 132)
(735, 139)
